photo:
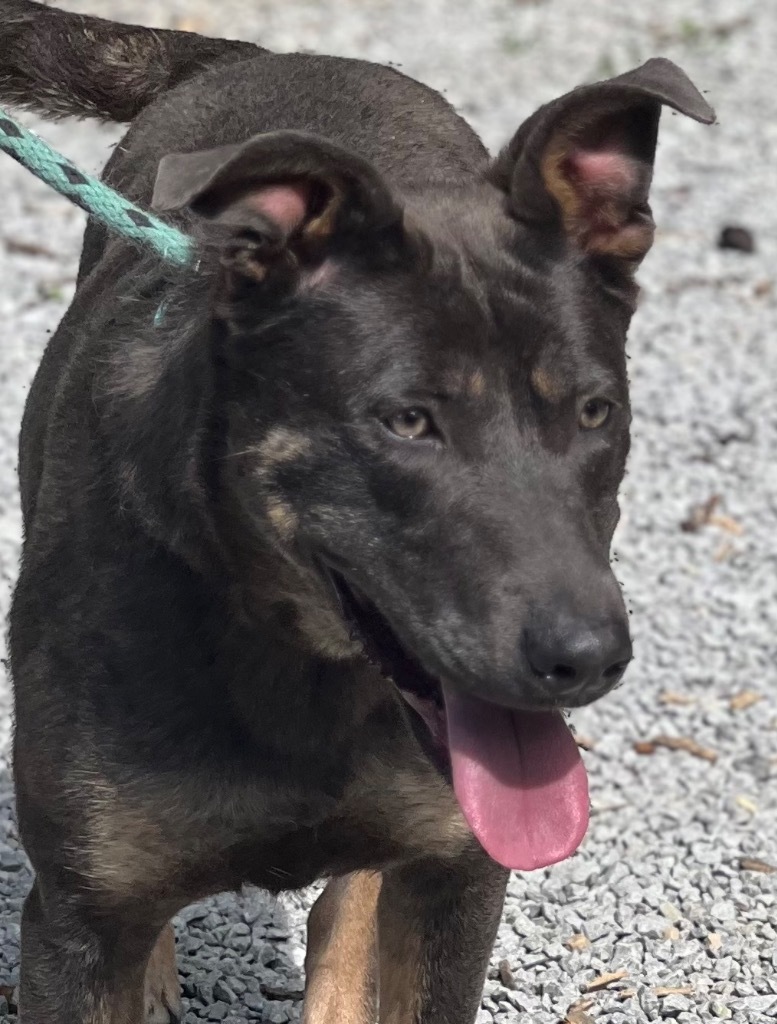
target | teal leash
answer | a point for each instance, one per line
(99, 200)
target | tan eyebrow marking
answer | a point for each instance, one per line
(462, 381)
(477, 384)
(546, 385)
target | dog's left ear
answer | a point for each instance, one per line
(583, 163)
(283, 198)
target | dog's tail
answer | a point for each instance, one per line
(60, 64)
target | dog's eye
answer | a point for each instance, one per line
(411, 424)
(595, 414)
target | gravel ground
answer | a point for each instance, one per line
(667, 890)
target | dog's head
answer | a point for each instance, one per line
(427, 411)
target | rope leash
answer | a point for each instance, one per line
(99, 200)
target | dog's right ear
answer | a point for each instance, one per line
(280, 200)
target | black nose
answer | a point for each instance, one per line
(575, 661)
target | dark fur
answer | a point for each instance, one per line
(136, 65)
(191, 714)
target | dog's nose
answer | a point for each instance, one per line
(575, 661)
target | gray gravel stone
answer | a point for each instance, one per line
(670, 912)
(720, 1010)
(280, 1013)
(673, 1006)
(767, 1005)
(221, 990)
(254, 1001)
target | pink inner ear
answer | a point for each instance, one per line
(603, 171)
(284, 204)
(609, 210)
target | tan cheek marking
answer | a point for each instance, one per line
(477, 384)
(283, 445)
(282, 517)
(324, 630)
(546, 385)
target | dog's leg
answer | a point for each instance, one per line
(341, 958)
(78, 967)
(437, 923)
(163, 993)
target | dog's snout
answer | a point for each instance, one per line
(573, 660)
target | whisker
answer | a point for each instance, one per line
(253, 450)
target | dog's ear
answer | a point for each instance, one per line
(583, 163)
(280, 198)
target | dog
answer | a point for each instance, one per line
(317, 528)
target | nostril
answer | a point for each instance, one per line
(564, 673)
(580, 661)
(615, 670)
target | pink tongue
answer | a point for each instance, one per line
(519, 779)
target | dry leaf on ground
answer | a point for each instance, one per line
(506, 974)
(670, 697)
(705, 514)
(660, 993)
(644, 747)
(700, 514)
(754, 864)
(685, 743)
(745, 699)
(605, 980)
(576, 1014)
(16, 245)
(727, 523)
(585, 742)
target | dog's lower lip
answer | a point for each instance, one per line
(431, 714)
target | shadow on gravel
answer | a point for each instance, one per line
(239, 955)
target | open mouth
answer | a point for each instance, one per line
(422, 691)
(517, 775)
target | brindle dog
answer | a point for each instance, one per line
(317, 528)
